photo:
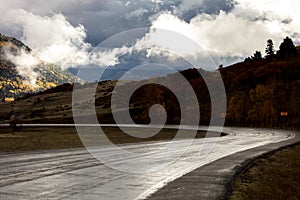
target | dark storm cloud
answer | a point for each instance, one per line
(212, 7)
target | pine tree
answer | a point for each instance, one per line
(270, 49)
(287, 48)
(257, 56)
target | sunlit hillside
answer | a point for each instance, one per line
(13, 84)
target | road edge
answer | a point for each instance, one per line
(214, 180)
(248, 164)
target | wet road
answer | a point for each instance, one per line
(76, 174)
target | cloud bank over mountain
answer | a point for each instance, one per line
(65, 32)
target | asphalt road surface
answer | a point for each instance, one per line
(110, 174)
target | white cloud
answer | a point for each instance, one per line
(279, 16)
(53, 39)
(136, 13)
(107, 57)
(273, 9)
(170, 33)
(229, 35)
(237, 33)
(222, 35)
(25, 63)
(187, 5)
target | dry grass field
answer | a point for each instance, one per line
(274, 177)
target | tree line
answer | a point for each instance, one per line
(261, 91)
(286, 49)
(265, 91)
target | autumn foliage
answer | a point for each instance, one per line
(258, 93)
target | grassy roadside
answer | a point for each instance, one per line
(40, 138)
(275, 176)
(36, 138)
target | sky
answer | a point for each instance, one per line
(67, 32)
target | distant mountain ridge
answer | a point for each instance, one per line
(13, 85)
(12, 42)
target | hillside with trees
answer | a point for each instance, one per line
(13, 84)
(265, 92)
(260, 92)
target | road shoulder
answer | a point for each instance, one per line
(215, 180)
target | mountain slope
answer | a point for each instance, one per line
(13, 84)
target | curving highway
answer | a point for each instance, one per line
(76, 174)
